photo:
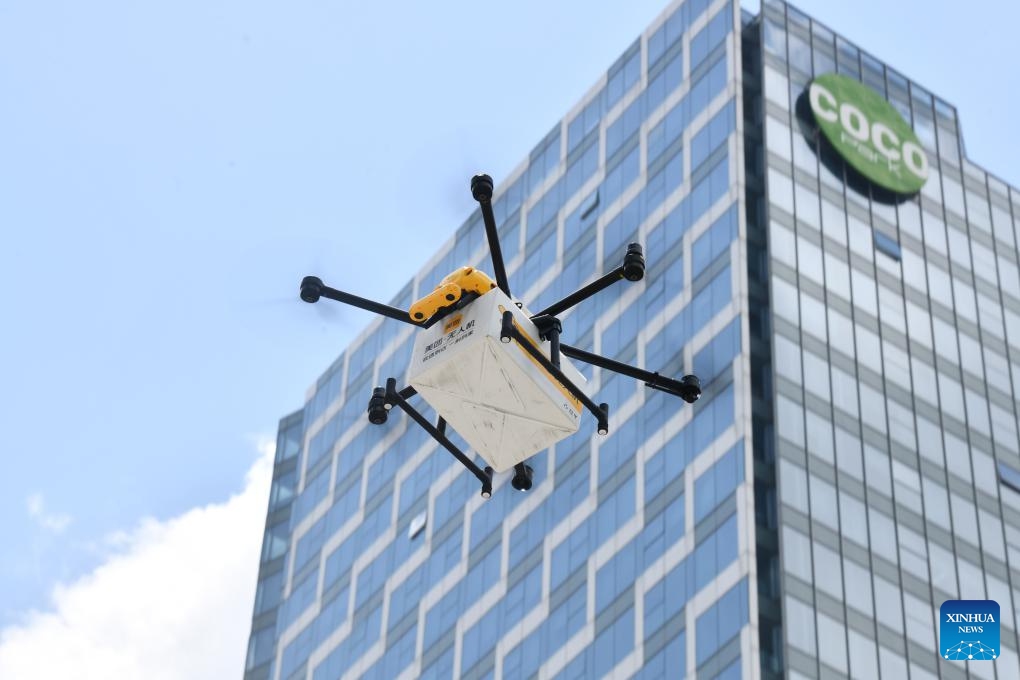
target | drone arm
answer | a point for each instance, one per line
(688, 389)
(481, 189)
(396, 398)
(632, 269)
(600, 411)
(312, 288)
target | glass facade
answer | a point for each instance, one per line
(895, 342)
(853, 462)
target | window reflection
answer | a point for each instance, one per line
(800, 625)
(775, 38)
(800, 53)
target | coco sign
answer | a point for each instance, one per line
(868, 133)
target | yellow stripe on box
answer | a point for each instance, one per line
(574, 401)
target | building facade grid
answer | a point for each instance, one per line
(895, 332)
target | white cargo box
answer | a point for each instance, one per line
(504, 404)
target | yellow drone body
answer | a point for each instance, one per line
(449, 292)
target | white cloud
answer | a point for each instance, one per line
(174, 603)
(51, 521)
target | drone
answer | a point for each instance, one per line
(494, 371)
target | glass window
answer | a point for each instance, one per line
(711, 299)
(623, 75)
(1009, 276)
(793, 485)
(844, 391)
(991, 533)
(823, 503)
(777, 136)
(934, 233)
(807, 202)
(584, 122)
(959, 247)
(714, 242)
(872, 408)
(833, 221)
(972, 582)
(777, 88)
(910, 219)
(918, 324)
(810, 257)
(828, 573)
(718, 482)
(887, 245)
(848, 454)
(708, 85)
(924, 381)
(852, 510)
(1012, 329)
(964, 518)
(901, 423)
(715, 358)
(841, 332)
(714, 32)
(714, 133)
(897, 364)
(888, 603)
(813, 316)
(781, 190)
(806, 160)
(797, 554)
(1009, 476)
(957, 450)
(824, 56)
(913, 555)
(837, 276)
(799, 53)
(977, 412)
(614, 643)
(833, 649)
(991, 316)
(860, 238)
(790, 420)
(544, 158)
(876, 464)
(775, 38)
(800, 625)
(930, 440)
(862, 653)
(783, 244)
(819, 436)
(864, 291)
(623, 128)
(620, 178)
(951, 396)
(788, 358)
(920, 621)
(583, 167)
(984, 261)
(816, 376)
(943, 567)
(1004, 428)
(721, 622)
(664, 82)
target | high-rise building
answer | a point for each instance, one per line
(844, 281)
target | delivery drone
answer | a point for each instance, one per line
(493, 370)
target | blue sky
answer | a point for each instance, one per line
(170, 171)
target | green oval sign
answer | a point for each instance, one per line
(868, 133)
